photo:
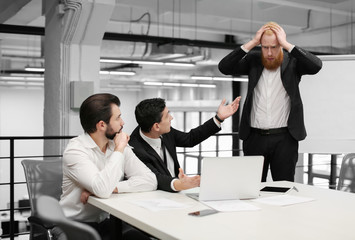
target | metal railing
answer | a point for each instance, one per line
(12, 156)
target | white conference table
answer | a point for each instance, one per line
(330, 216)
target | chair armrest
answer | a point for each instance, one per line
(40, 222)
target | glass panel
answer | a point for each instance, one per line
(191, 165)
(178, 120)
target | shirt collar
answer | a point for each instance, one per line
(154, 142)
(90, 143)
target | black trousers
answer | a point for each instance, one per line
(110, 229)
(280, 153)
(115, 229)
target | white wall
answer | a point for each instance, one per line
(21, 114)
(329, 101)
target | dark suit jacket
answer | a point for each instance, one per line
(295, 64)
(171, 140)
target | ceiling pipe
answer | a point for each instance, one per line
(15, 29)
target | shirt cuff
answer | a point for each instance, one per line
(291, 48)
(172, 184)
(244, 49)
(217, 123)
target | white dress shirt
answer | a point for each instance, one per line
(85, 166)
(271, 103)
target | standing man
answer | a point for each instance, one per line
(99, 162)
(155, 141)
(272, 120)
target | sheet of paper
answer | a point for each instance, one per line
(231, 205)
(159, 204)
(283, 200)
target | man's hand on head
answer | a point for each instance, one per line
(281, 36)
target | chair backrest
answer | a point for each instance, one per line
(49, 210)
(347, 174)
(43, 177)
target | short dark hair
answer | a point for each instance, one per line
(148, 112)
(95, 108)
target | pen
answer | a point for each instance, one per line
(130, 147)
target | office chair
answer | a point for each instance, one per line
(43, 177)
(48, 209)
(347, 174)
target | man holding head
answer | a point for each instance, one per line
(98, 162)
(272, 121)
(155, 141)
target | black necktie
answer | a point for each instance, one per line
(163, 149)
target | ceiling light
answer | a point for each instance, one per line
(201, 78)
(12, 78)
(114, 60)
(211, 78)
(125, 73)
(174, 84)
(179, 64)
(189, 85)
(207, 85)
(153, 83)
(235, 79)
(35, 78)
(21, 78)
(148, 62)
(34, 69)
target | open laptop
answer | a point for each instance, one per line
(226, 178)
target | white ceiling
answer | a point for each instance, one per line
(322, 26)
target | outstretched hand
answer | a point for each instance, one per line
(225, 111)
(185, 182)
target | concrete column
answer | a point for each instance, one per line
(73, 34)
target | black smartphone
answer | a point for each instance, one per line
(275, 189)
(204, 212)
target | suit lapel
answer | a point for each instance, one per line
(153, 154)
(284, 65)
(172, 152)
(253, 81)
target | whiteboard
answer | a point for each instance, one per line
(329, 106)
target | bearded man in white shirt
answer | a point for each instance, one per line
(99, 162)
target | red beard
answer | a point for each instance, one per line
(273, 65)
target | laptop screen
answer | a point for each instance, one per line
(224, 178)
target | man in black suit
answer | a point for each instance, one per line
(272, 120)
(154, 128)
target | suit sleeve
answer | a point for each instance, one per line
(139, 177)
(196, 135)
(307, 63)
(234, 63)
(164, 181)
